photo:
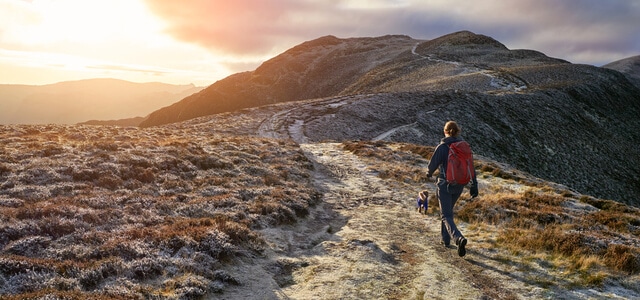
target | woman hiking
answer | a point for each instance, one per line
(449, 192)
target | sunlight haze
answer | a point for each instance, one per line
(50, 41)
(200, 42)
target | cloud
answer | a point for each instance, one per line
(581, 29)
(241, 26)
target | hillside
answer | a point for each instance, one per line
(78, 101)
(329, 66)
(230, 207)
(629, 66)
(571, 124)
(319, 68)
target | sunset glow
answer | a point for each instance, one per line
(201, 41)
(45, 41)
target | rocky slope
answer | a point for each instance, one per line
(572, 124)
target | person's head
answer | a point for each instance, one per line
(451, 128)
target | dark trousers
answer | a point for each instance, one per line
(447, 196)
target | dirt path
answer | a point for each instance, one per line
(364, 241)
(384, 250)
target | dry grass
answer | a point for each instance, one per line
(124, 213)
(411, 169)
(590, 241)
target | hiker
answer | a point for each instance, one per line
(448, 193)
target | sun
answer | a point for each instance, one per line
(45, 41)
(86, 22)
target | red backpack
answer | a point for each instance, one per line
(460, 163)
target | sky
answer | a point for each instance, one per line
(202, 41)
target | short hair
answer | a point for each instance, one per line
(451, 128)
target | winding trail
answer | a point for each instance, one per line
(383, 250)
(365, 240)
(500, 80)
(289, 123)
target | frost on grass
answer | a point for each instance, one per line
(128, 213)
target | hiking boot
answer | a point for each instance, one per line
(446, 244)
(462, 243)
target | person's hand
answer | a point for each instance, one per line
(474, 191)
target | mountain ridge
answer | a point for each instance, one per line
(330, 66)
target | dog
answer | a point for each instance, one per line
(422, 202)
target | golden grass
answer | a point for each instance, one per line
(525, 216)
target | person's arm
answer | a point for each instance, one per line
(473, 189)
(438, 157)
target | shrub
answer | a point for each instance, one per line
(30, 246)
(271, 180)
(146, 268)
(623, 258)
(50, 150)
(111, 182)
(424, 151)
(608, 205)
(144, 175)
(190, 286)
(91, 277)
(363, 148)
(5, 169)
(209, 161)
(217, 244)
(106, 145)
(275, 212)
(57, 227)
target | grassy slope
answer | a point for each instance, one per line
(123, 212)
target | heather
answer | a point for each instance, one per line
(122, 212)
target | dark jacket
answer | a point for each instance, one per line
(440, 158)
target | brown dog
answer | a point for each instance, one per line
(422, 202)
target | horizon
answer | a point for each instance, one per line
(46, 42)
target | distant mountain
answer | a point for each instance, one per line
(121, 122)
(77, 101)
(629, 66)
(569, 123)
